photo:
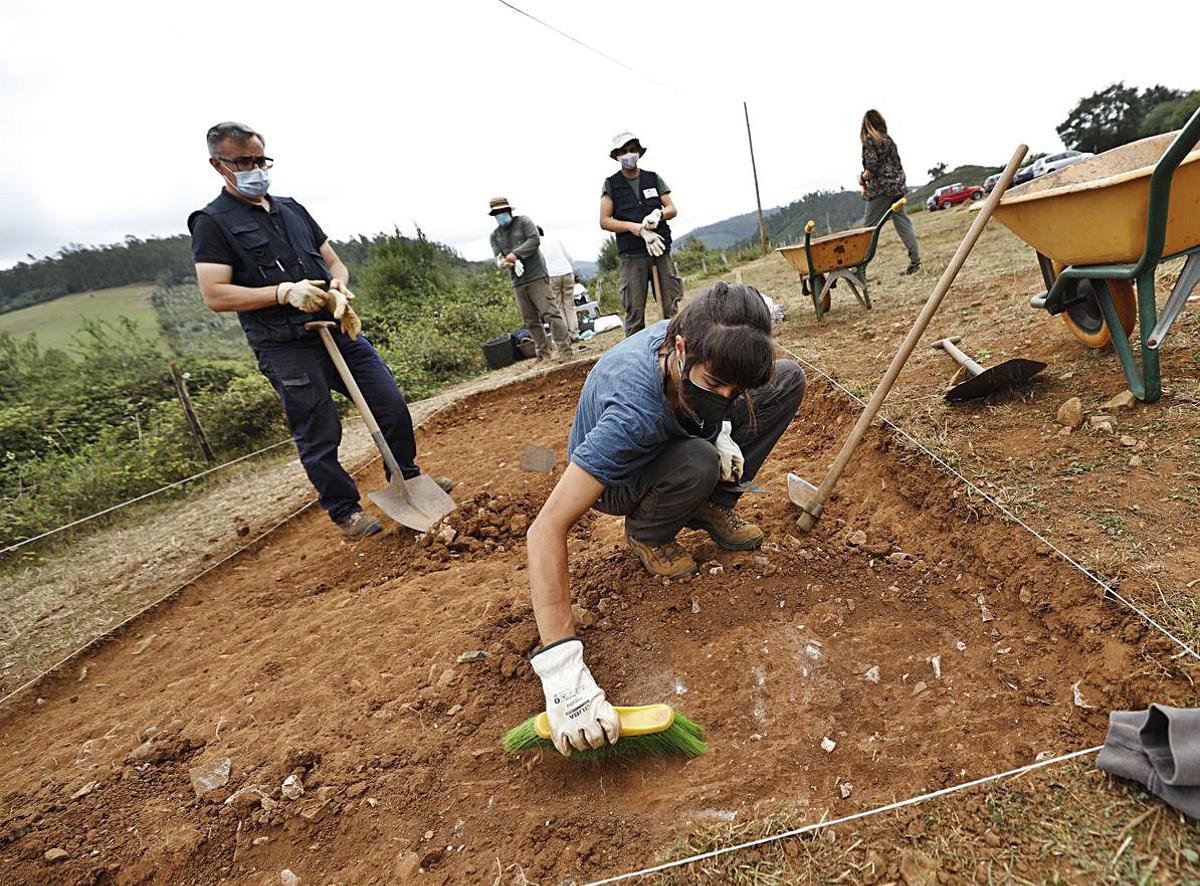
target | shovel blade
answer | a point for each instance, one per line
(417, 503)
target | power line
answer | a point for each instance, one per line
(578, 42)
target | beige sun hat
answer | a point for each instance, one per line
(499, 204)
(623, 138)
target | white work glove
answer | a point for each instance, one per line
(651, 221)
(732, 462)
(501, 261)
(519, 268)
(306, 295)
(655, 244)
(580, 718)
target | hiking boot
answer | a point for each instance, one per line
(913, 267)
(359, 525)
(564, 354)
(666, 560)
(726, 528)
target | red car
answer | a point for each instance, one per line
(943, 198)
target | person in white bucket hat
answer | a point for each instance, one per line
(636, 205)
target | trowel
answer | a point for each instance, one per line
(418, 502)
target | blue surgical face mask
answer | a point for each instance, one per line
(253, 183)
(504, 219)
(630, 160)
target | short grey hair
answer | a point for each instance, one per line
(240, 133)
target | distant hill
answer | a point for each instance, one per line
(725, 233)
(585, 269)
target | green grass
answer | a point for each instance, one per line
(55, 322)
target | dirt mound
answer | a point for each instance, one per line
(912, 641)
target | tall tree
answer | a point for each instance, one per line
(1114, 116)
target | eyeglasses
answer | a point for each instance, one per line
(245, 164)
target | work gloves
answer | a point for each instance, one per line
(732, 462)
(519, 268)
(655, 244)
(339, 304)
(580, 718)
(501, 262)
(651, 221)
(306, 295)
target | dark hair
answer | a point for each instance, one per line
(541, 233)
(727, 327)
(239, 133)
(874, 127)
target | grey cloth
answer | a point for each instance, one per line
(634, 278)
(537, 306)
(1125, 756)
(521, 238)
(877, 206)
(1171, 737)
(686, 473)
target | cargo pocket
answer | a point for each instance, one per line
(299, 395)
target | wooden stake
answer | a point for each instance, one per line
(193, 422)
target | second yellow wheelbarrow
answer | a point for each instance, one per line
(840, 256)
(1101, 227)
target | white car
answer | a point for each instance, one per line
(1055, 162)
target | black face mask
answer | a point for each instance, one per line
(709, 409)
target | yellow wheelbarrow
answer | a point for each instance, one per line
(824, 261)
(1101, 227)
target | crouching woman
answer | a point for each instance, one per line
(670, 425)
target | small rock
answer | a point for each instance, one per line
(473, 655)
(695, 606)
(518, 525)
(1070, 413)
(446, 678)
(716, 570)
(244, 799)
(259, 841)
(1124, 400)
(56, 854)
(292, 788)
(919, 688)
(1024, 596)
(144, 645)
(1135, 461)
(84, 791)
(287, 878)
(872, 674)
(584, 618)
(453, 710)
(960, 645)
(356, 790)
(992, 839)
(936, 661)
(210, 776)
(1128, 441)
(845, 788)
(1098, 420)
(447, 534)
(899, 558)
(879, 548)
(856, 539)
(828, 744)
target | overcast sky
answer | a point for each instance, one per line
(393, 115)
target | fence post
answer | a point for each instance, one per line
(193, 422)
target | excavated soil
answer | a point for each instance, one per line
(931, 641)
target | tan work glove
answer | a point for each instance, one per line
(351, 325)
(307, 295)
(339, 305)
(655, 244)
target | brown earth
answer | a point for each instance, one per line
(339, 664)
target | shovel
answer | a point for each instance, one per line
(984, 381)
(417, 503)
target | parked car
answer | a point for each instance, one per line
(1024, 174)
(931, 201)
(990, 182)
(1054, 162)
(944, 198)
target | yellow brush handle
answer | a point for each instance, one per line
(899, 204)
(808, 228)
(646, 719)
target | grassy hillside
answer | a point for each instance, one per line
(55, 322)
(727, 232)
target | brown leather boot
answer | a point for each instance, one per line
(666, 560)
(726, 528)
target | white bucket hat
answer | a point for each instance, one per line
(623, 138)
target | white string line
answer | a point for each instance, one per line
(1108, 589)
(454, 397)
(808, 828)
(466, 392)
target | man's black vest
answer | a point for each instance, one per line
(266, 257)
(632, 206)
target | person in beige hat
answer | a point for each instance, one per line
(515, 244)
(635, 204)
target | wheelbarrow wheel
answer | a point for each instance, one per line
(1086, 320)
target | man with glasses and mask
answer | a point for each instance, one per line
(635, 205)
(265, 257)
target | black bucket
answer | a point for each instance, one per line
(498, 352)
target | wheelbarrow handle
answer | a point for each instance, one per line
(899, 205)
(808, 228)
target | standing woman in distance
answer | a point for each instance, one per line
(883, 182)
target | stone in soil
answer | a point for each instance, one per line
(1070, 413)
(56, 854)
(210, 776)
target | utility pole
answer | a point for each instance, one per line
(762, 224)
